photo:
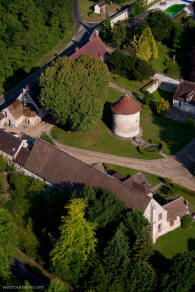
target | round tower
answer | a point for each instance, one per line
(126, 117)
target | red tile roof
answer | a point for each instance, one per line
(94, 48)
(126, 106)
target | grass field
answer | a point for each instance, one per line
(99, 138)
(177, 241)
(174, 9)
(154, 127)
(151, 178)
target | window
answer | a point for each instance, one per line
(159, 227)
(160, 216)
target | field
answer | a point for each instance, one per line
(174, 9)
(177, 241)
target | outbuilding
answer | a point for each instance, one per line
(126, 117)
(100, 8)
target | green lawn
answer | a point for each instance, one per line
(177, 241)
(99, 138)
(173, 133)
(151, 178)
(160, 64)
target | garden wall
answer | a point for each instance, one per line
(166, 83)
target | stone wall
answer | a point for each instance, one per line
(153, 87)
(166, 83)
(126, 126)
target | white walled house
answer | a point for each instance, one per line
(100, 8)
(184, 97)
(120, 16)
(126, 117)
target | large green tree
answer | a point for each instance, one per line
(161, 24)
(74, 91)
(145, 46)
(8, 243)
(76, 243)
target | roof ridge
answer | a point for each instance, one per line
(178, 198)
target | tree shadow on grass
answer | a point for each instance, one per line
(107, 114)
(191, 244)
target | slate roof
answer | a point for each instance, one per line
(184, 88)
(139, 182)
(175, 208)
(126, 106)
(9, 143)
(65, 171)
(93, 47)
(22, 156)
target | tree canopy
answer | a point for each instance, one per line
(29, 28)
(76, 243)
(74, 91)
(8, 242)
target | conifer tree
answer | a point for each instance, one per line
(162, 107)
(143, 247)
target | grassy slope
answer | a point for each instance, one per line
(99, 139)
(177, 241)
(152, 179)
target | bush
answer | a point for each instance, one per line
(166, 191)
(167, 182)
(190, 124)
(162, 107)
(130, 67)
(140, 149)
(3, 164)
(186, 221)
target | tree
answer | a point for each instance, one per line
(145, 46)
(161, 24)
(139, 6)
(7, 243)
(143, 247)
(135, 222)
(107, 34)
(76, 243)
(74, 91)
(57, 286)
(181, 273)
(186, 221)
(162, 107)
(119, 34)
(142, 277)
(103, 206)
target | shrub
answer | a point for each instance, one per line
(186, 221)
(166, 191)
(162, 107)
(167, 182)
(3, 164)
(190, 124)
(140, 149)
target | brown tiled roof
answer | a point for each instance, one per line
(22, 156)
(63, 170)
(139, 182)
(175, 208)
(16, 109)
(100, 167)
(94, 48)
(9, 143)
(119, 176)
(184, 88)
(2, 116)
(126, 106)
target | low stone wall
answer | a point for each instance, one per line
(166, 83)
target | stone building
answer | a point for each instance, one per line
(100, 8)
(126, 117)
(184, 97)
(120, 16)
